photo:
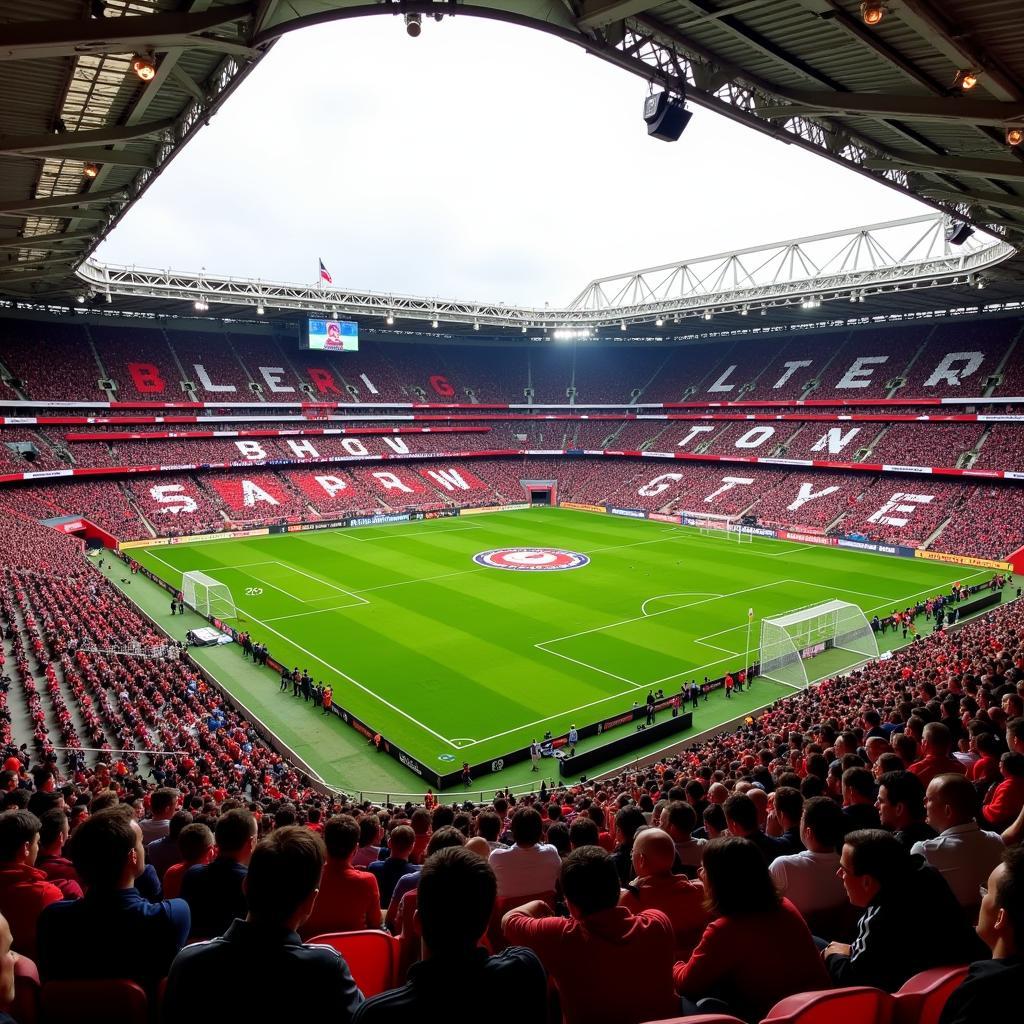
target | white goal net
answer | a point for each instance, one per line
(208, 596)
(723, 527)
(789, 641)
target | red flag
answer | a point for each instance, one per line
(324, 275)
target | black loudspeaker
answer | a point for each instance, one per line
(666, 116)
(957, 232)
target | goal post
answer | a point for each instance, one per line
(208, 596)
(724, 527)
(788, 641)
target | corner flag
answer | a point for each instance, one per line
(750, 614)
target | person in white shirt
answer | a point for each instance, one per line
(529, 867)
(810, 879)
(962, 853)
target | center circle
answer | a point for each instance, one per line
(531, 559)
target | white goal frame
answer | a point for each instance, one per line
(789, 640)
(710, 525)
(208, 596)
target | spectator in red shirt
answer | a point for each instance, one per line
(195, 846)
(600, 940)
(655, 887)
(24, 888)
(757, 949)
(349, 899)
(53, 834)
(936, 744)
(1007, 798)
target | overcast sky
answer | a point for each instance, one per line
(478, 161)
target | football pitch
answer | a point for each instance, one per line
(456, 660)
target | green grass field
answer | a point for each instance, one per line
(451, 659)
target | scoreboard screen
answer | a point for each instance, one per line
(332, 336)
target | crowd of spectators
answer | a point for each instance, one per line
(854, 834)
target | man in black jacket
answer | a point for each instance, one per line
(992, 987)
(214, 891)
(260, 970)
(911, 920)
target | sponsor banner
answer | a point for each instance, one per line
(581, 506)
(905, 469)
(979, 563)
(395, 517)
(899, 550)
(806, 538)
(787, 462)
(662, 518)
(481, 509)
(327, 524)
(629, 513)
(153, 542)
(755, 531)
(441, 513)
(410, 763)
(658, 455)
(1012, 475)
(198, 538)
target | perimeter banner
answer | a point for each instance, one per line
(581, 506)
(978, 563)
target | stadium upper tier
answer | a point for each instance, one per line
(72, 361)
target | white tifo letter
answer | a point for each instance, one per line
(755, 437)
(303, 448)
(807, 493)
(252, 493)
(692, 433)
(659, 484)
(900, 502)
(251, 450)
(834, 440)
(390, 482)
(173, 499)
(332, 484)
(858, 376)
(791, 367)
(728, 483)
(945, 374)
(449, 479)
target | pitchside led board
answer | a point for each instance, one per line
(332, 336)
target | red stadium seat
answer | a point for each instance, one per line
(104, 1001)
(372, 957)
(857, 1005)
(24, 1008)
(922, 998)
(700, 1018)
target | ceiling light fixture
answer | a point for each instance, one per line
(144, 66)
(1014, 136)
(872, 12)
(966, 79)
(90, 171)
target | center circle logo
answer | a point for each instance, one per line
(531, 559)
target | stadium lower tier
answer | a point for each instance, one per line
(962, 518)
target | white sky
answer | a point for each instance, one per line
(478, 161)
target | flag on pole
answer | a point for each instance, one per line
(750, 615)
(324, 274)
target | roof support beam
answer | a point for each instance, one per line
(598, 13)
(34, 40)
(44, 241)
(924, 108)
(979, 199)
(62, 141)
(961, 165)
(89, 154)
(34, 206)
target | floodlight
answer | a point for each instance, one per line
(433, 323)
(201, 305)
(90, 170)
(144, 66)
(260, 310)
(524, 330)
(659, 322)
(390, 319)
(872, 12)
(80, 299)
(476, 325)
(413, 24)
(966, 78)
(622, 326)
(707, 314)
(1014, 136)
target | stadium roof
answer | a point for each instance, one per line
(887, 101)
